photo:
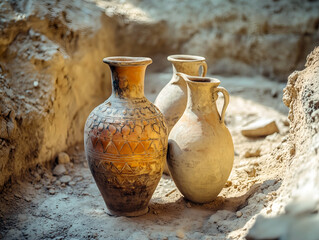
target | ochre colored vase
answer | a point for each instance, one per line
(201, 151)
(126, 140)
(172, 99)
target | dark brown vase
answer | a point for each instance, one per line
(125, 140)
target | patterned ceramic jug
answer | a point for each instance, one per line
(126, 140)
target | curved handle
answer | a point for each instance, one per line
(204, 65)
(226, 101)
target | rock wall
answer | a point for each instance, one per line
(301, 95)
(242, 37)
(51, 73)
(298, 203)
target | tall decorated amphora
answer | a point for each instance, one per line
(126, 140)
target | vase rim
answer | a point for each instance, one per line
(127, 61)
(199, 80)
(185, 58)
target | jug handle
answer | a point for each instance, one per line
(226, 102)
(204, 66)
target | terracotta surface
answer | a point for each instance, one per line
(126, 140)
(201, 151)
(172, 99)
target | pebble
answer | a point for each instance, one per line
(52, 191)
(58, 182)
(27, 199)
(85, 164)
(239, 214)
(251, 171)
(59, 170)
(188, 205)
(252, 153)
(72, 183)
(63, 158)
(180, 233)
(17, 195)
(35, 84)
(38, 186)
(260, 128)
(65, 179)
(228, 184)
(37, 176)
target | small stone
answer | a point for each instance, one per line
(188, 205)
(27, 199)
(17, 195)
(38, 186)
(260, 197)
(72, 183)
(228, 184)
(285, 122)
(252, 153)
(37, 176)
(239, 214)
(63, 158)
(85, 164)
(251, 171)
(180, 233)
(59, 170)
(260, 128)
(269, 211)
(65, 179)
(52, 191)
(63, 185)
(58, 183)
(35, 84)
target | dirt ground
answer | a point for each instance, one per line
(44, 206)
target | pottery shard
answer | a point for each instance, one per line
(59, 170)
(260, 128)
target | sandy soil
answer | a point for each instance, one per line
(39, 206)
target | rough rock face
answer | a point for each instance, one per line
(269, 37)
(51, 76)
(51, 73)
(302, 97)
(300, 185)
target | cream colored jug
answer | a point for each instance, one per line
(201, 151)
(172, 99)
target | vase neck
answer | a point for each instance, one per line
(202, 95)
(188, 64)
(127, 76)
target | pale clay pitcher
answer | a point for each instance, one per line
(201, 151)
(172, 99)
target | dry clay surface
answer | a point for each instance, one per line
(69, 206)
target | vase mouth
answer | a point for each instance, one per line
(127, 61)
(185, 58)
(199, 80)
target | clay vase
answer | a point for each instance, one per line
(126, 140)
(172, 99)
(201, 151)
